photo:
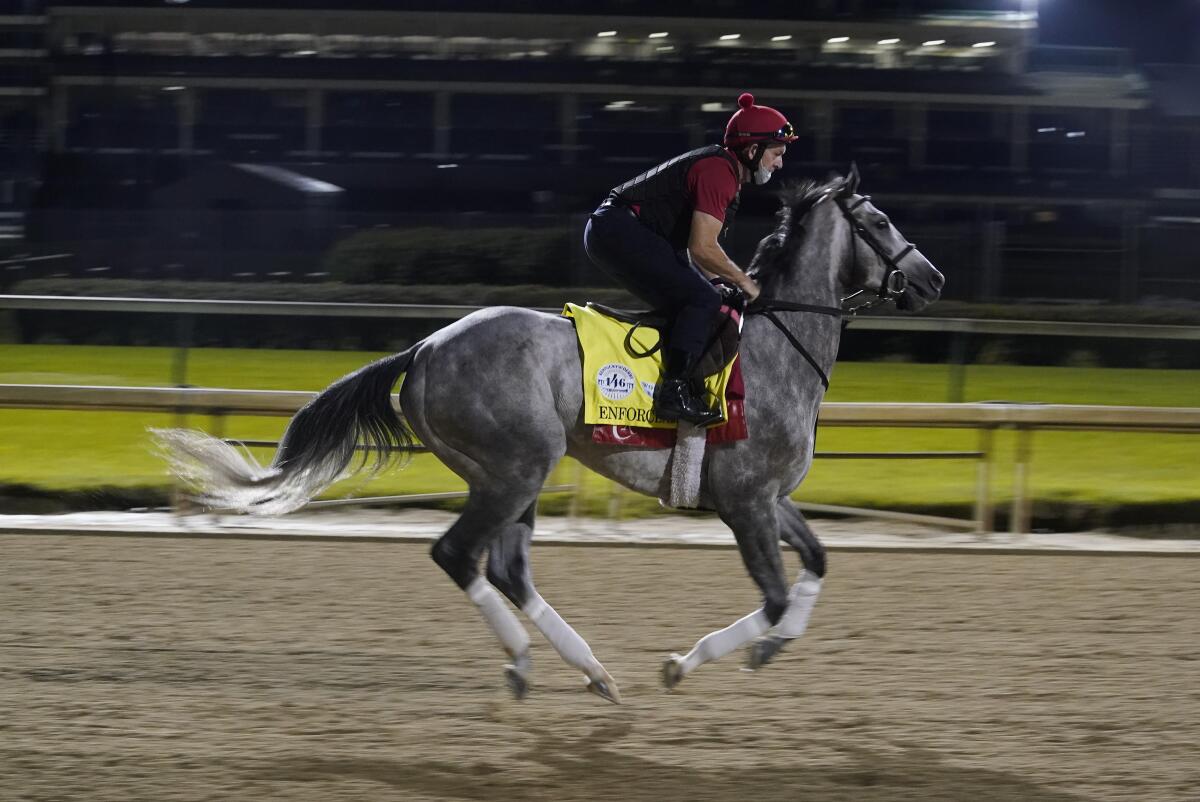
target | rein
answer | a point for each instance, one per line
(770, 307)
(892, 287)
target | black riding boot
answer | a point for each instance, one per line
(675, 399)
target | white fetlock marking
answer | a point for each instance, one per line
(499, 617)
(716, 645)
(565, 640)
(801, 600)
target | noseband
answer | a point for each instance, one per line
(892, 286)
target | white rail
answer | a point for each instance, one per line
(986, 418)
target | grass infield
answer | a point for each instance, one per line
(79, 453)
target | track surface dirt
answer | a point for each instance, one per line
(152, 669)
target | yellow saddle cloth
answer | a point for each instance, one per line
(618, 382)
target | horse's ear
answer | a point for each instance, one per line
(851, 185)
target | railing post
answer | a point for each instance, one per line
(573, 509)
(185, 327)
(956, 392)
(1022, 506)
(985, 517)
(614, 501)
(216, 425)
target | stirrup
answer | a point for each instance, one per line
(695, 413)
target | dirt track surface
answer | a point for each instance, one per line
(151, 669)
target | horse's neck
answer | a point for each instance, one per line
(811, 279)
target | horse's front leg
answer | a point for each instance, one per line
(794, 531)
(756, 528)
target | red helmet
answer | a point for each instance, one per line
(752, 123)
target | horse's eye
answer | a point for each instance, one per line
(882, 225)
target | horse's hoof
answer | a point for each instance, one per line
(516, 674)
(672, 671)
(518, 683)
(763, 650)
(606, 689)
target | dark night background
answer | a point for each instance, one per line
(174, 141)
(1156, 30)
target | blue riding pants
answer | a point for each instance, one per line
(646, 265)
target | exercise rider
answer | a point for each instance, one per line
(659, 234)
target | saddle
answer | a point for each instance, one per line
(720, 350)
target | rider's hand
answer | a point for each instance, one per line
(750, 289)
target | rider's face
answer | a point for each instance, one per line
(772, 160)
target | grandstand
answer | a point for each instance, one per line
(1020, 166)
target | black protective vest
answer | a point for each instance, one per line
(661, 196)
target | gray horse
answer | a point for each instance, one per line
(498, 397)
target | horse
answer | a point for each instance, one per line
(497, 396)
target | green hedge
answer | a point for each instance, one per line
(451, 256)
(371, 334)
(477, 294)
(330, 292)
(1079, 313)
(383, 334)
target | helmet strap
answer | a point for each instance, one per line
(752, 163)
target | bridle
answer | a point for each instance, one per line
(893, 285)
(894, 281)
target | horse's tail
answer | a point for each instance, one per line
(315, 451)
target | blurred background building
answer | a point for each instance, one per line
(223, 140)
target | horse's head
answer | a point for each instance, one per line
(881, 260)
(834, 241)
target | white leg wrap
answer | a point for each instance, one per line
(499, 617)
(565, 640)
(716, 645)
(801, 599)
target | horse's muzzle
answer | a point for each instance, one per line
(922, 289)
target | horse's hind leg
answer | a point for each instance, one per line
(509, 571)
(794, 530)
(457, 552)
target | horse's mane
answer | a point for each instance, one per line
(795, 202)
